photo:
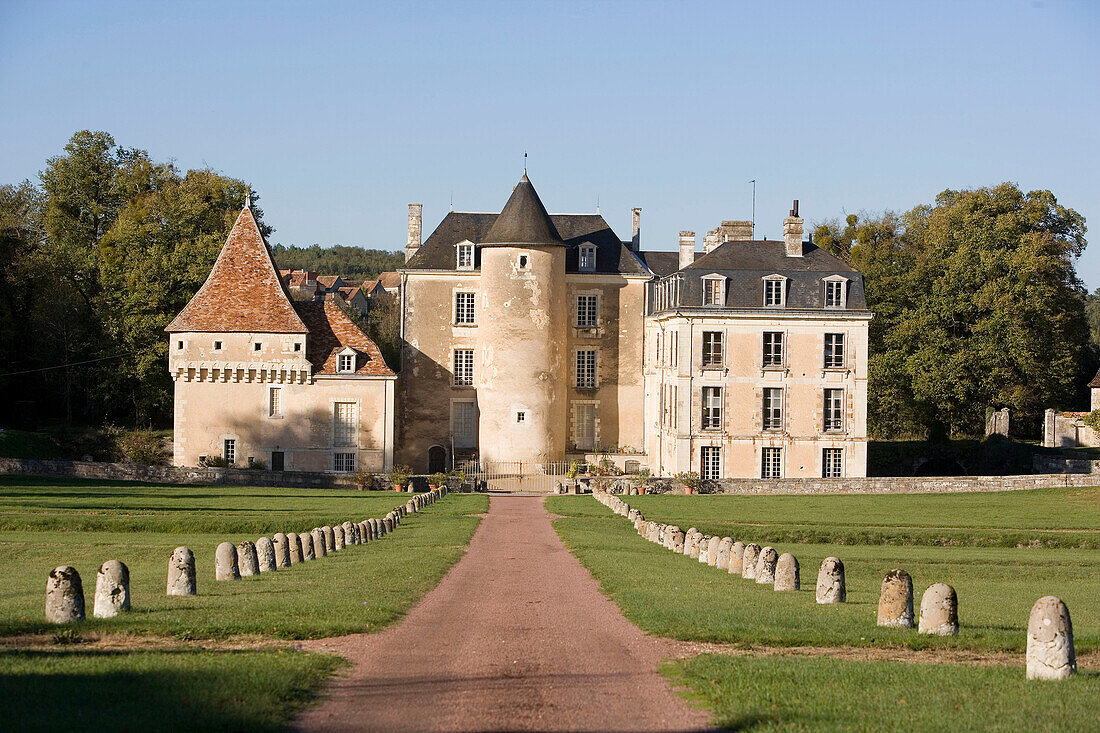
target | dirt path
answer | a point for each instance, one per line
(516, 637)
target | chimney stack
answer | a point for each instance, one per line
(710, 241)
(792, 232)
(735, 231)
(413, 243)
(636, 229)
(687, 249)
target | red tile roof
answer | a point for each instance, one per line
(390, 280)
(328, 280)
(243, 291)
(330, 330)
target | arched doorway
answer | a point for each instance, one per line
(437, 459)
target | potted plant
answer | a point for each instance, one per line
(644, 477)
(399, 477)
(690, 481)
(436, 480)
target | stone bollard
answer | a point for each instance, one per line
(330, 539)
(338, 537)
(1050, 653)
(364, 531)
(64, 595)
(704, 549)
(737, 554)
(112, 590)
(748, 561)
(712, 550)
(306, 538)
(688, 539)
(638, 522)
(675, 539)
(895, 600)
(349, 534)
(830, 582)
(410, 507)
(281, 545)
(225, 562)
(265, 555)
(654, 532)
(318, 537)
(723, 560)
(375, 528)
(181, 573)
(786, 573)
(294, 543)
(765, 566)
(939, 611)
(247, 562)
(387, 522)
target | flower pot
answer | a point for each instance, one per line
(641, 490)
(398, 487)
(689, 490)
(432, 487)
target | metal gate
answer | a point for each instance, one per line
(515, 477)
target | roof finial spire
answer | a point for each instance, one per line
(248, 200)
(525, 162)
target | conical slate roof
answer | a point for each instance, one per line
(243, 292)
(523, 220)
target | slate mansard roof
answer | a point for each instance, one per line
(524, 221)
(745, 264)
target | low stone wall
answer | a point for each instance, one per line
(184, 475)
(874, 485)
(1057, 464)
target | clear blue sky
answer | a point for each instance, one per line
(341, 113)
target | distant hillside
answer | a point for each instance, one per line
(347, 262)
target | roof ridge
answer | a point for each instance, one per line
(523, 220)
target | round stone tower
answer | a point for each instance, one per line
(520, 364)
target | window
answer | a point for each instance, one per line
(713, 290)
(297, 346)
(584, 428)
(464, 367)
(712, 348)
(587, 258)
(834, 410)
(343, 462)
(771, 464)
(658, 356)
(523, 262)
(674, 348)
(229, 450)
(344, 423)
(773, 408)
(464, 428)
(710, 461)
(257, 346)
(217, 346)
(834, 350)
(834, 293)
(832, 462)
(179, 345)
(274, 402)
(774, 292)
(465, 256)
(712, 408)
(521, 416)
(586, 369)
(345, 363)
(587, 311)
(773, 348)
(464, 308)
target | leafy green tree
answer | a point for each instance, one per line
(977, 305)
(346, 261)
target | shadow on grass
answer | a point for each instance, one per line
(157, 689)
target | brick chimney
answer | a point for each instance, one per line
(735, 231)
(687, 249)
(792, 233)
(636, 229)
(413, 243)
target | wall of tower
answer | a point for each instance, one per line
(521, 357)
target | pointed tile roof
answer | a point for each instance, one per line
(523, 220)
(243, 291)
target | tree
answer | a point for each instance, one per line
(977, 305)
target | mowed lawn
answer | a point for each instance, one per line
(958, 539)
(49, 522)
(673, 595)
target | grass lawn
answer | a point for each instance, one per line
(188, 689)
(674, 596)
(804, 694)
(50, 522)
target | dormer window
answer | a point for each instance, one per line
(345, 363)
(465, 256)
(586, 259)
(835, 288)
(714, 290)
(775, 291)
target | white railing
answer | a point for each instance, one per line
(515, 477)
